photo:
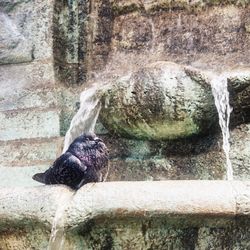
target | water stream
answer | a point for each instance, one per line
(221, 98)
(57, 236)
(86, 117)
(84, 121)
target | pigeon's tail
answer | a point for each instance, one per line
(40, 177)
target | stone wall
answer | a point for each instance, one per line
(51, 50)
(29, 130)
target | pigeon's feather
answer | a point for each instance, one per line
(81, 163)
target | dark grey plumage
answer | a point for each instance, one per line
(82, 163)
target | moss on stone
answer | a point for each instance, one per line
(158, 102)
(122, 8)
(155, 130)
(119, 9)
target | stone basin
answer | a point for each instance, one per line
(128, 215)
(49, 51)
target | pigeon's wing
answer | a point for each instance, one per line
(44, 177)
(67, 169)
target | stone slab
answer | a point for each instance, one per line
(208, 199)
(28, 28)
(167, 214)
(29, 98)
(29, 124)
(30, 152)
(16, 78)
(20, 176)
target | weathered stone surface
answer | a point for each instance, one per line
(29, 98)
(204, 34)
(42, 123)
(124, 36)
(197, 214)
(129, 37)
(16, 176)
(30, 151)
(14, 48)
(159, 101)
(150, 5)
(121, 7)
(167, 198)
(70, 34)
(33, 23)
(239, 87)
(240, 151)
(20, 77)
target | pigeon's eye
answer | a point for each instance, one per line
(98, 140)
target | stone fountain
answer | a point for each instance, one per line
(167, 186)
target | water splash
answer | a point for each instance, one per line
(57, 236)
(221, 97)
(86, 117)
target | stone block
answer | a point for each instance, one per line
(127, 215)
(14, 47)
(29, 124)
(20, 176)
(158, 101)
(27, 31)
(18, 77)
(29, 98)
(30, 152)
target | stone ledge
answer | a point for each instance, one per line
(35, 123)
(29, 152)
(188, 199)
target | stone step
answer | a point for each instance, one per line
(15, 78)
(27, 98)
(29, 152)
(29, 123)
(12, 176)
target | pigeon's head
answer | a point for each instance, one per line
(86, 144)
(89, 136)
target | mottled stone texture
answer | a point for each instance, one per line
(173, 215)
(29, 113)
(51, 50)
(69, 43)
(159, 101)
(191, 33)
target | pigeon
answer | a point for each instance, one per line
(82, 163)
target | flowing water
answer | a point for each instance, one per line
(84, 121)
(85, 118)
(57, 236)
(221, 98)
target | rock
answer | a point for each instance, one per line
(159, 101)
(239, 88)
(26, 31)
(127, 36)
(240, 151)
(14, 47)
(120, 7)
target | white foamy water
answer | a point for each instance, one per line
(221, 98)
(85, 118)
(57, 236)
